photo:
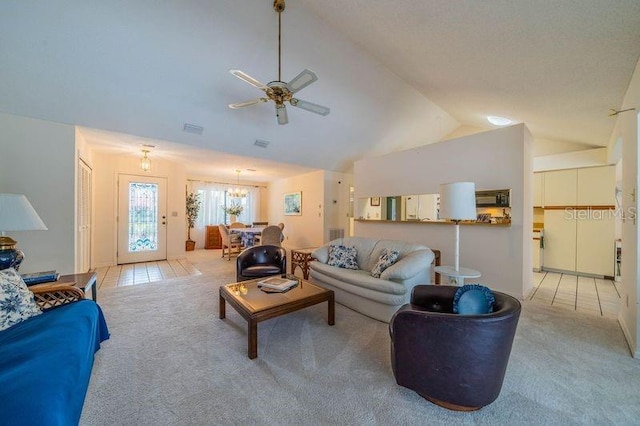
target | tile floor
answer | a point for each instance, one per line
(584, 294)
(142, 273)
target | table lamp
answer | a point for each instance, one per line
(16, 214)
(458, 202)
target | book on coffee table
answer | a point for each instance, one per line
(277, 283)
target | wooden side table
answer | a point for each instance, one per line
(84, 282)
(301, 257)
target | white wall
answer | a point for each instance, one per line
(306, 230)
(319, 211)
(496, 159)
(105, 173)
(626, 131)
(38, 160)
(336, 202)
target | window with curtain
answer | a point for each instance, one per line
(213, 197)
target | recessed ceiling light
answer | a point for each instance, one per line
(498, 121)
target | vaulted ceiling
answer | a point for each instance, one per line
(395, 74)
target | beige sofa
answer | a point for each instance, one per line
(381, 297)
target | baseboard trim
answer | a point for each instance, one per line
(628, 337)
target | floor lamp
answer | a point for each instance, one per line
(458, 202)
(16, 214)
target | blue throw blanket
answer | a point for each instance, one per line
(45, 364)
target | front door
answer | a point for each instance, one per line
(142, 218)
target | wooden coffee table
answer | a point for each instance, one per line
(255, 306)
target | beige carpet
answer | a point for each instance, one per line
(171, 361)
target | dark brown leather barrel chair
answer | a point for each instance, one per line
(261, 261)
(455, 361)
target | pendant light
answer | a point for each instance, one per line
(145, 163)
(238, 192)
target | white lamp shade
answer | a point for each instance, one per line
(458, 201)
(17, 214)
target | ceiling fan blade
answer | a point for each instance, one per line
(281, 113)
(248, 103)
(310, 106)
(302, 80)
(246, 77)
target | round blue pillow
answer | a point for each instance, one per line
(473, 299)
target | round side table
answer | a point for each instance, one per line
(457, 277)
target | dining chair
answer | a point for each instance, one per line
(271, 235)
(231, 242)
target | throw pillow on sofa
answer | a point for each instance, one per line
(16, 300)
(343, 257)
(386, 259)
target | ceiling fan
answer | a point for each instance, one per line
(278, 91)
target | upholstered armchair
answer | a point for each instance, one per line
(455, 361)
(261, 261)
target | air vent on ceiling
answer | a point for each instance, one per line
(192, 128)
(261, 143)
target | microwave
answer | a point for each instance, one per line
(493, 198)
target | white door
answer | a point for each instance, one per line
(142, 218)
(84, 217)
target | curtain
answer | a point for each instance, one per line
(213, 197)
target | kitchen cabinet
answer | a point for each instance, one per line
(538, 189)
(596, 186)
(579, 241)
(559, 241)
(560, 188)
(589, 186)
(595, 242)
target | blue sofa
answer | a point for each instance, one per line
(46, 362)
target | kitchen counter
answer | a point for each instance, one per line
(432, 222)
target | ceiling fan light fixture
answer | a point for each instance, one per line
(279, 91)
(281, 114)
(498, 121)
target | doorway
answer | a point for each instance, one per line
(142, 219)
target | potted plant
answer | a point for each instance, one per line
(233, 210)
(193, 207)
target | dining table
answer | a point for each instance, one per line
(247, 235)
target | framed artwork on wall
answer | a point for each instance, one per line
(375, 201)
(293, 203)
